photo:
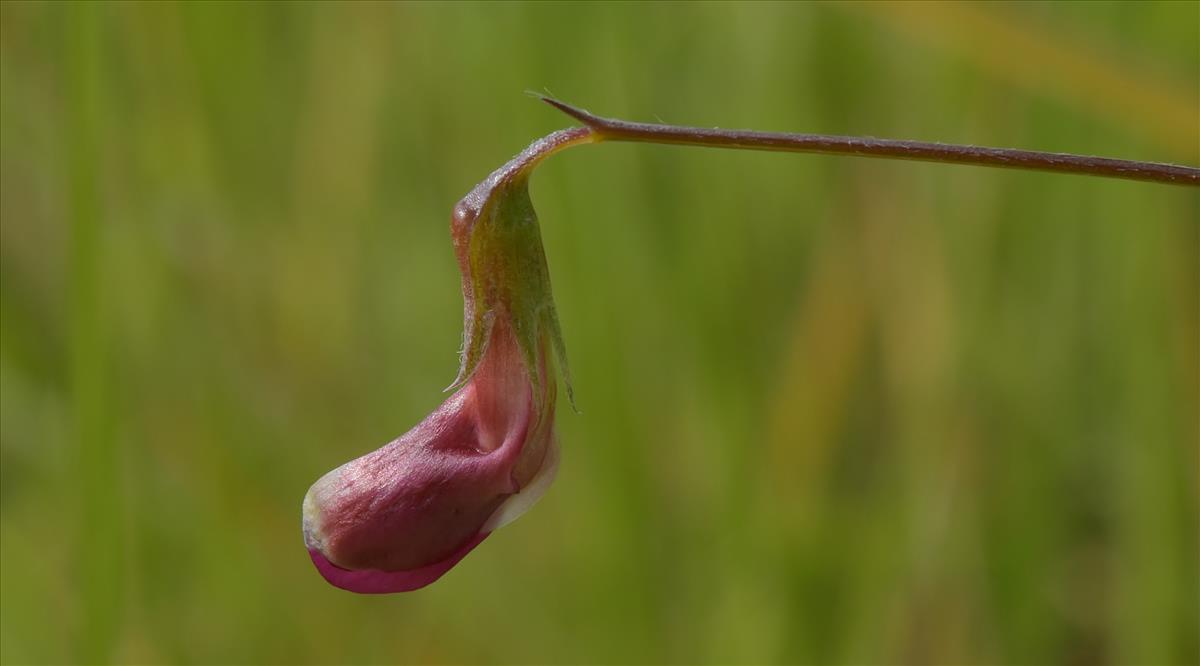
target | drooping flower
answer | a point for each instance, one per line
(398, 518)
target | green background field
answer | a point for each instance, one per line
(834, 410)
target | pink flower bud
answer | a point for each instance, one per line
(399, 517)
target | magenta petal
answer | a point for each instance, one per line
(374, 581)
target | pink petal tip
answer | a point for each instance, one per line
(374, 581)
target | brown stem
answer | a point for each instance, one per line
(623, 130)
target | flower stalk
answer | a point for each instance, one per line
(608, 129)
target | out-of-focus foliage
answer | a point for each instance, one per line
(833, 410)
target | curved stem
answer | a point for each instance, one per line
(608, 129)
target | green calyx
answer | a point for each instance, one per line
(505, 276)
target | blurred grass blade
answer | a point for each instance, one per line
(98, 487)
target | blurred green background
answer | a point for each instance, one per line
(834, 410)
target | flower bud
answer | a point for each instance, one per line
(398, 518)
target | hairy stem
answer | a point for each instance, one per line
(608, 129)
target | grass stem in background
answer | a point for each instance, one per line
(96, 490)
